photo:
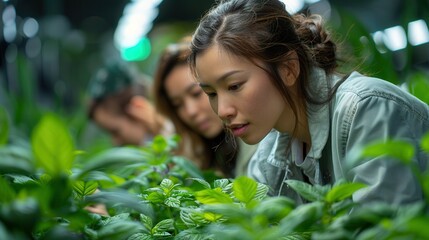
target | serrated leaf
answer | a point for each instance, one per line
(343, 191)
(221, 183)
(212, 196)
(83, 189)
(141, 236)
(167, 185)
(261, 191)
(52, 145)
(244, 188)
(202, 182)
(146, 220)
(193, 234)
(172, 202)
(155, 197)
(163, 226)
(307, 191)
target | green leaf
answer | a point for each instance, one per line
(261, 191)
(120, 198)
(7, 194)
(141, 236)
(397, 149)
(120, 230)
(418, 227)
(307, 191)
(156, 197)
(4, 127)
(202, 181)
(172, 202)
(163, 226)
(146, 220)
(83, 189)
(244, 188)
(425, 142)
(221, 183)
(53, 145)
(159, 144)
(167, 185)
(112, 159)
(188, 166)
(275, 208)
(302, 218)
(418, 85)
(212, 196)
(343, 191)
(193, 234)
(16, 159)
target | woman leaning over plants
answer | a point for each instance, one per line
(272, 78)
(204, 139)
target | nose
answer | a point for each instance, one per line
(225, 110)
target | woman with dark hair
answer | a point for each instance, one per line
(178, 97)
(272, 78)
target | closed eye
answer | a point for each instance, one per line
(235, 87)
(211, 94)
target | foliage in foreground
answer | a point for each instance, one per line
(47, 187)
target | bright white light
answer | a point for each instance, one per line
(293, 6)
(395, 38)
(136, 22)
(378, 39)
(30, 27)
(418, 32)
(311, 1)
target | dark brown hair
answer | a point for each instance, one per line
(208, 153)
(263, 30)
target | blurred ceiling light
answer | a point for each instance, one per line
(30, 27)
(395, 38)
(293, 6)
(418, 32)
(9, 29)
(379, 42)
(133, 26)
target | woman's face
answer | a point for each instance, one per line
(123, 129)
(242, 95)
(190, 102)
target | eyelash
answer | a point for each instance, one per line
(234, 87)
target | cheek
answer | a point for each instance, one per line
(213, 105)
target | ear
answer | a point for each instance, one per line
(289, 70)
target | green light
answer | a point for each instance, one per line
(138, 52)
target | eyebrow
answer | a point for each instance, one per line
(221, 78)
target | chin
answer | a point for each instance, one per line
(251, 141)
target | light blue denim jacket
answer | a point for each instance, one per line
(363, 110)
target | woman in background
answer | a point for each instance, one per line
(120, 105)
(204, 139)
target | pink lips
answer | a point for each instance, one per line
(239, 130)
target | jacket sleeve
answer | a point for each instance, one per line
(374, 118)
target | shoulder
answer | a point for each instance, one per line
(359, 91)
